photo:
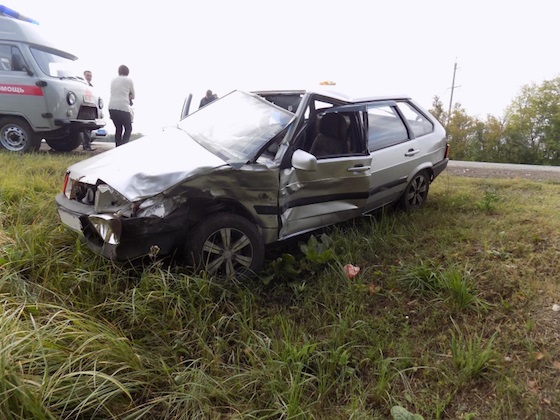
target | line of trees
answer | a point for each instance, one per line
(529, 131)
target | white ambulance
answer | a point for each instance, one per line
(43, 94)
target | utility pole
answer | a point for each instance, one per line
(451, 98)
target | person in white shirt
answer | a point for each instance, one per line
(120, 102)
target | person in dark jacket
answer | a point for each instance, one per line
(208, 98)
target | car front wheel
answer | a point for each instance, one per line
(416, 192)
(226, 245)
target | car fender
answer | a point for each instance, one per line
(422, 167)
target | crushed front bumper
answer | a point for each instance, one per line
(122, 239)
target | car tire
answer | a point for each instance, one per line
(65, 144)
(416, 192)
(226, 245)
(16, 135)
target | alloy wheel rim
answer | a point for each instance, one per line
(418, 191)
(226, 252)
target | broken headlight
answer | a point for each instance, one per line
(158, 206)
(107, 200)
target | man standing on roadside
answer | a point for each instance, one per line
(88, 76)
(86, 143)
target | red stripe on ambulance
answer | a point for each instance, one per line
(20, 90)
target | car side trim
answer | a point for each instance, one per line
(267, 210)
(273, 210)
(324, 199)
(387, 186)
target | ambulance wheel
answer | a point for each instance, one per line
(16, 135)
(65, 144)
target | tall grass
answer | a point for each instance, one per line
(436, 322)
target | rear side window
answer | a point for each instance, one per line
(385, 127)
(419, 124)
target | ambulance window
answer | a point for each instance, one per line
(11, 59)
(5, 63)
(54, 65)
(5, 56)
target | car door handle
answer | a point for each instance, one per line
(411, 152)
(359, 168)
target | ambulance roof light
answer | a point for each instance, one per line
(6, 11)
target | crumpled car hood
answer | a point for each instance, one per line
(147, 166)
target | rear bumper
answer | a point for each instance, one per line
(439, 167)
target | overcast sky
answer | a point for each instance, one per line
(369, 46)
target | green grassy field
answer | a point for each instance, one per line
(451, 316)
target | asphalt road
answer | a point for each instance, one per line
(502, 166)
(503, 170)
(99, 146)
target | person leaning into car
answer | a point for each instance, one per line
(208, 98)
(120, 103)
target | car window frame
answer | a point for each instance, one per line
(412, 134)
(306, 117)
(398, 114)
(359, 119)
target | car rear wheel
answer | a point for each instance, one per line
(416, 192)
(226, 245)
(16, 135)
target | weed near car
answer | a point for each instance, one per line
(449, 316)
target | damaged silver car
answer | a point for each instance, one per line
(251, 169)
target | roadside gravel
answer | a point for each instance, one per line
(503, 170)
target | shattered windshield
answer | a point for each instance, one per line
(236, 126)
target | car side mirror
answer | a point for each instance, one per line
(304, 161)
